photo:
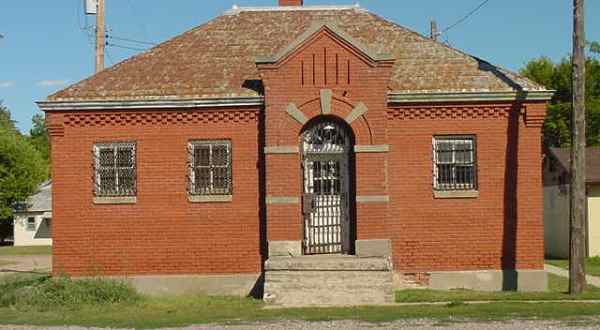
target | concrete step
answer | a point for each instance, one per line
(328, 280)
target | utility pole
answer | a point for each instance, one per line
(100, 36)
(434, 30)
(578, 193)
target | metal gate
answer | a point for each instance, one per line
(325, 205)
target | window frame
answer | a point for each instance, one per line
(119, 192)
(28, 224)
(455, 187)
(211, 192)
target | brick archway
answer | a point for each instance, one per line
(330, 104)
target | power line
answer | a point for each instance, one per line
(467, 16)
(124, 47)
(131, 40)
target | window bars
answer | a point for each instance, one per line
(115, 169)
(455, 163)
(209, 164)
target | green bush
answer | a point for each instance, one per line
(44, 293)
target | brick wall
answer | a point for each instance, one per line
(503, 227)
(324, 62)
(163, 233)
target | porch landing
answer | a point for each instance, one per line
(328, 280)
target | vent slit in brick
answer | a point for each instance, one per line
(313, 70)
(348, 72)
(337, 69)
(325, 65)
(302, 71)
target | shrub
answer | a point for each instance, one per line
(44, 292)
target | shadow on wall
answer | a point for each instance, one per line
(509, 236)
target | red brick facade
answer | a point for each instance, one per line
(164, 233)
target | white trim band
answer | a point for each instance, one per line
(150, 104)
(424, 97)
(371, 148)
(283, 200)
(282, 150)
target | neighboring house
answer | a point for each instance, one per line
(298, 131)
(556, 201)
(33, 218)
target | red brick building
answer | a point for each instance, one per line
(299, 130)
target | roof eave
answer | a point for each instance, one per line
(83, 105)
(484, 96)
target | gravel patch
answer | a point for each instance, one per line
(584, 324)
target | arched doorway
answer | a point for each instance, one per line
(327, 204)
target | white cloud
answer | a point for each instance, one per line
(6, 84)
(50, 83)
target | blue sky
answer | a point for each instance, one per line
(44, 48)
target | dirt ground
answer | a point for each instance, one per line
(13, 264)
(356, 325)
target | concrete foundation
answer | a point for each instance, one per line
(374, 248)
(213, 285)
(331, 280)
(490, 280)
(285, 248)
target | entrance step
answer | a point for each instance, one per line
(328, 280)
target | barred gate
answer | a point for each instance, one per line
(325, 163)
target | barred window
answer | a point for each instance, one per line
(455, 165)
(209, 167)
(115, 169)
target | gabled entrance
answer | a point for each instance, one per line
(326, 144)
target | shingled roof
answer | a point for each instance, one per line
(218, 59)
(592, 161)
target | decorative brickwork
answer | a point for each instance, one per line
(160, 117)
(449, 112)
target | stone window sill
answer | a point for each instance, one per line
(115, 200)
(210, 198)
(455, 194)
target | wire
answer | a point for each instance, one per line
(467, 16)
(130, 40)
(124, 47)
(109, 58)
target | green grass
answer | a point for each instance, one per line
(40, 300)
(557, 290)
(25, 250)
(44, 293)
(592, 265)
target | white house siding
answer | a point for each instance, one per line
(594, 220)
(25, 237)
(556, 221)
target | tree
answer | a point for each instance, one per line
(594, 47)
(557, 76)
(22, 168)
(6, 121)
(39, 136)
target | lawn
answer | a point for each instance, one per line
(557, 290)
(25, 250)
(40, 300)
(592, 265)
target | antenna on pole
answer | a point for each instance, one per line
(434, 30)
(97, 7)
